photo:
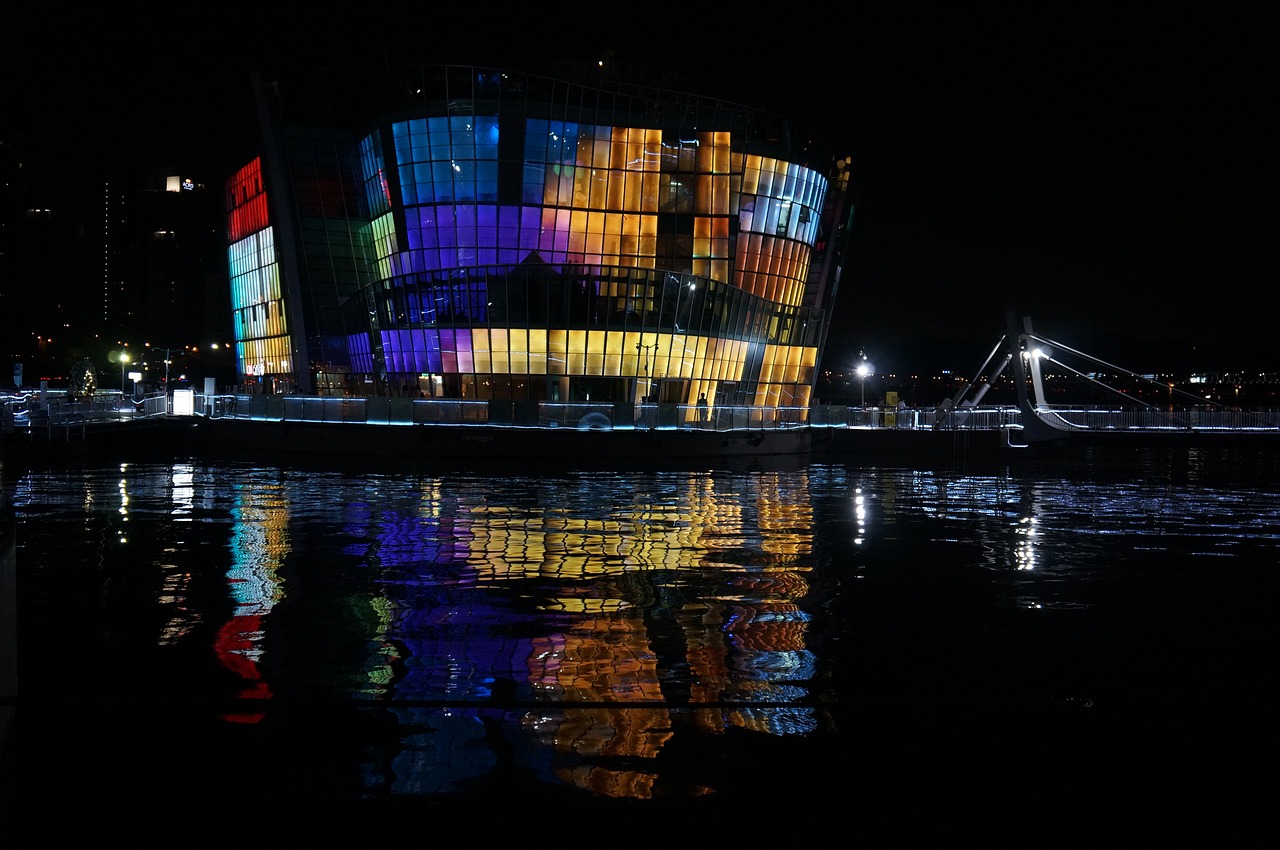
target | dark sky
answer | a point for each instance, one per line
(1110, 174)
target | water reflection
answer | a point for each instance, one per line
(589, 595)
(582, 629)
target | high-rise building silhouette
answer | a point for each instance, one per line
(88, 265)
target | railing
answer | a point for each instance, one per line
(62, 417)
(1103, 419)
(595, 415)
(533, 414)
(58, 415)
(592, 415)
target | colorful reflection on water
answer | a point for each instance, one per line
(577, 612)
(583, 628)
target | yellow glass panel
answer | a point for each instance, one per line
(751, 175)
(578, 235)
(720, 194)
(481, 359)
(616, 199)
(701, 193)
(720, 270)
(556, 348)
(500, 345)
(704, 156)
(601, 147)
(630, 186)
(722, 145)
(652, 150)
(592, 246)
(619, 136)
(551, 184)
(661, 364)
(575, 353)
(611, 250)
(599, 187)
(650, 192)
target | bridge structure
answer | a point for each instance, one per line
(1023, 353)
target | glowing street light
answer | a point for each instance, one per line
(864, 369)
(124, 361)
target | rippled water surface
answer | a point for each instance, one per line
(797, 638)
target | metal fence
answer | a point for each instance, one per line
(533, 414)
(57, 414)
(1104, 419)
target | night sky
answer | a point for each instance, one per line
(1110, 174)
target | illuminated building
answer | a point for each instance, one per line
(503, 236)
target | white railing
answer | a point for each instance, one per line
(59, 409)
(1104, 419)
(585, 415)
(60, 413)
(410, 411)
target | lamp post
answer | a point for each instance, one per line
(124, 361)
(864, 369)
(168, 360)
(644, 355)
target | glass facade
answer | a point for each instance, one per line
(502, 236)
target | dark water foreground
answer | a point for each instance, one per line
(1072, 648)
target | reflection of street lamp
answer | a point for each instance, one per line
(864, 369)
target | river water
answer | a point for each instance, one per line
(789, 642)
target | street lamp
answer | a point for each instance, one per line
(644, 354)
(124, 361)
(864, 369)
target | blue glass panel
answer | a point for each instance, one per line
(427, 235)
(487, 137)
(442, 176)
(446, 234)
(464, 180)
(361, 358)
(435, 363)
(400, 140)
(535, 178)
